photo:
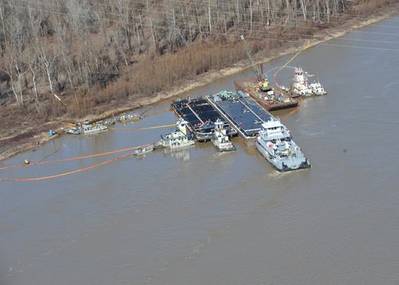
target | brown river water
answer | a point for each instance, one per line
(201, 217)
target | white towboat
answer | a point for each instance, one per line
(276, 145)
(302, 87)
(220, 138)
(178, 139)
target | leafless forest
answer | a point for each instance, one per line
(65, 57)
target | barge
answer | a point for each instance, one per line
(241, 111)
(200, 116)
(267, 96)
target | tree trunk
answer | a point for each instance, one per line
(209, 17)
(304, 12)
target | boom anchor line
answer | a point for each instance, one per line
(29, 163)
(79, 170)
(66, 173)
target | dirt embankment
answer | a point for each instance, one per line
(34, 132)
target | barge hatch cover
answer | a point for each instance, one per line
(200, 115)
(241, 111)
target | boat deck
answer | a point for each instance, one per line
(241, 111)
(195, 111)
(278, 101)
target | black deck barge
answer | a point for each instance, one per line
(200, 116)
(241, 111)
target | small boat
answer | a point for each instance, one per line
(93, 129)
(220, 138)
(143, 150)
(317, 89)
(180, 138)
(135, 117)
(129, 117)
(74, 131)
(108, 122)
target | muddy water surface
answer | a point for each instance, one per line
(200, 217)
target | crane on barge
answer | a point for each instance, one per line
(260, 89)
(258, 68)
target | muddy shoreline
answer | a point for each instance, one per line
(30, 139)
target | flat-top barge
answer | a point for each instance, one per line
(201, 117)
(267, 96)
(241, 111)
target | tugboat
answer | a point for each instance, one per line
(302, 87)
(276, 145)
(220, 138)
(178, 139)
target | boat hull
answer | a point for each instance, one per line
(250, 86)
(280, 165)
(274, 106)
(176, 146)
(94, 132)
(203, 136)
(224, 147)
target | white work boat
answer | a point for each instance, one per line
(220, 138)
(94, 129)
(180, 138)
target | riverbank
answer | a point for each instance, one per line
(31, 137)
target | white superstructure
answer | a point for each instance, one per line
(179, 138)
(220, 138)
(302, 87)
(276, 145)
(89, 129)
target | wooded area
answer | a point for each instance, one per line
(67, 56)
